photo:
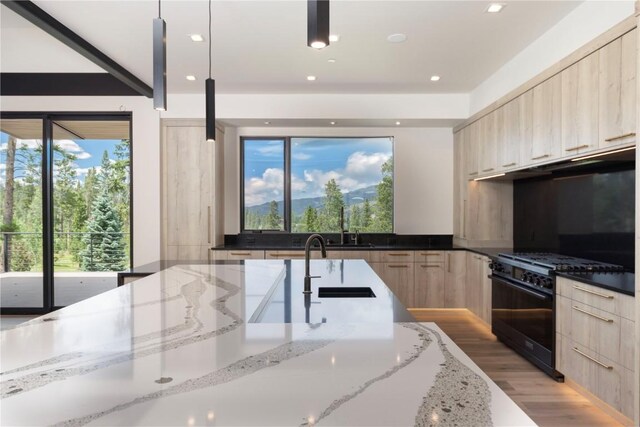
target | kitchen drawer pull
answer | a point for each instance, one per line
(509, 164)
(239, 253)
(285, 255)
(593, 292)
(577, 147)
(592, 315)
(615, 138)
(544, 156)
(209, 224)
(429, 265)
(592, 359)
(487, 170)
(403, 254)
(448, 262)
(429, 254)
(473, 173)
(398, 266)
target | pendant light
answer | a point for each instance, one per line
(317, 23)
(159, 62)
(210, 95)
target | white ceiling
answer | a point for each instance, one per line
(260, 46)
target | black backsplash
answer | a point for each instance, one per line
(291, 240)
(588, 214)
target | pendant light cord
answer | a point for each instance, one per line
(209, 38)
(159, 11)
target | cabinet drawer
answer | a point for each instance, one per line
(613, 302)
(392, 256)
(602, 332)
(290, 254)
(429, 284)
(244, 254)
(429, 256)
(604, 378)
(399, 277)
(349, 255)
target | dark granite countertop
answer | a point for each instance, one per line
(624, 283)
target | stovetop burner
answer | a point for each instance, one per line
(565, 263)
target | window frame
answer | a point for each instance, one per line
(287, 179)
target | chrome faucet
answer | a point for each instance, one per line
(307, 254)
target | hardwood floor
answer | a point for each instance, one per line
(547, 402)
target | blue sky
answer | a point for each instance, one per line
(353, 162)
(88, 151)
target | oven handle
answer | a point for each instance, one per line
(531, 292)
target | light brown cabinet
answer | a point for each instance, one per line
(472, 141)
(399, 277)
(488, 154)
(225, 255)
(429, 284)
(617, 91)
(191, 191)
(478, 286)
(455, 277)
(460, 184)
(546, 141)
(515, 131)
(580, 106)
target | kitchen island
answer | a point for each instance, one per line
(186, 347)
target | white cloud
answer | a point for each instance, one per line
(366, 167)
(68, 145)
(30, 144)
(269, 187)
(83, 156)
(301, 156)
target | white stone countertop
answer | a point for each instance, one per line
(176, 348)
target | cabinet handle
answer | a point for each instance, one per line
(473, 173)
(403, 254)
(429, 265)
(577, 147)
(429, 254)
(464, 219)
(286, 255)
(448, 262)
(614, 138)
(398, 266)
(592, 359)
(209, 224)
(239, 253)
(487, 170)
(593, 292)
(544, 156)
(592, 315)
(509, 164)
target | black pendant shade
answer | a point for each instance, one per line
(210, 95)
(159, 64)
(317, 23)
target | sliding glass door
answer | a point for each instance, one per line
(66, 208)
(21, 230)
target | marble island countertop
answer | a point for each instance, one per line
(175, 348)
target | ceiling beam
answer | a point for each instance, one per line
(63, 84)
(56, 29)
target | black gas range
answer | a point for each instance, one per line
(523, 301)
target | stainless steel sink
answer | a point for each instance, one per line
(345, 292)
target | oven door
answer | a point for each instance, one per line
(523, 318)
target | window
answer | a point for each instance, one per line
(302, 184)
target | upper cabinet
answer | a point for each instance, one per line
(580, 106)
(472, 141)
(488, 143)
(617, 65)
(546, 122)
(514, 121)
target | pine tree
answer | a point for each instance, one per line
(273, 218)
(366, 215)
(104, 243)
(355, 222)
(310, 220)
(384, 203)
(333, 202)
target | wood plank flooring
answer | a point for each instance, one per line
(547, 402)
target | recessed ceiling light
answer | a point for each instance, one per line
(267, 123)
(495, 7)
(331, 60)
(318, 45)
(397, 38)
(397, 123)
(311, 78)
(435, 78)
(333, 123)
(334, 38)
(191, 78)
(196, 37)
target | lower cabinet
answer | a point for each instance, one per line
(429, 285)
(224, 255)
(455, 276)
(399, 277)
(478, 286)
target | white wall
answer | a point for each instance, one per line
(146, 157)
(583, 24)
(423, 174)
